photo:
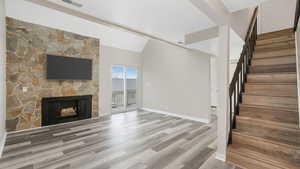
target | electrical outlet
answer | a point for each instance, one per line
(24, 89)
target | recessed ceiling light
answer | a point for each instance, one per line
(73, 3)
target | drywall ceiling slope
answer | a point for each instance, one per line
(29, 12)
(167, 19)
(236, 5)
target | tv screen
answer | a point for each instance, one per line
(68, 68)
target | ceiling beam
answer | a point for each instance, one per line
(202, 35)
(214, 10)
(218, 13)
(57, 7)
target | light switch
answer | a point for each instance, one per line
(24, 89)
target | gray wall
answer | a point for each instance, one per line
(176, 80)
(110, 56)
(2, 72)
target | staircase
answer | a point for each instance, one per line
(266, 132)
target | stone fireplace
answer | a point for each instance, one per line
(27, 48)
(57, 110)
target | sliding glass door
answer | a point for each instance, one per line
(124, 88)
(131, 88)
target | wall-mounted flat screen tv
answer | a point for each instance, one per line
(68, 68)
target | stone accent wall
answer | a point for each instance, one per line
(27, 47)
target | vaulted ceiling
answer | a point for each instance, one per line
(167, 19)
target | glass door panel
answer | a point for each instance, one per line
(118, 99)
(131, 88)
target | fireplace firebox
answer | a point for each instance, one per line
(57, 110)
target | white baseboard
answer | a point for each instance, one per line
(220, 157)
(2, 144)
(177, 115)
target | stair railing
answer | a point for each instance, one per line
(237, 85)
(297, 14)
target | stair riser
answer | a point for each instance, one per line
(274, 61)
(279, 53)
(275, 40)
(271, 90)
(283, 116)
(272, 78)
(279, 151)
(285, 102)
(273, 68)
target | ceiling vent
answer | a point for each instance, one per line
(73, 3)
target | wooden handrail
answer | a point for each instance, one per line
(237, 85)
(297, 14)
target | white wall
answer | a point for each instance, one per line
(276, 15)
(240, 21)
(222, 64)
(236, 47)
(176, 80)
(2, 74)
(213, 82)
(110, 56)
(298, 63)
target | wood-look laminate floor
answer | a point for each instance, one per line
(133, 140)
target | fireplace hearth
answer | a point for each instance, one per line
(57, 110)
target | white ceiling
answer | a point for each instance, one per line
(30, 12)
(236, 5)
(166, 19)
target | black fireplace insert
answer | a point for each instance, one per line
(57, 110)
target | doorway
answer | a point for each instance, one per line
(124, 88)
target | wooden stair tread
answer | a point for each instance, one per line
(282, 135)
(261, 84)
(273, 61)
(244, 162)
(248, 136)
(286, 77)
(275, 73)
(269, 122)
(274, 115)
(274, 101)
(253, 83)
(286, 90)
(273, 34)
(273, 68)
(284, 152)
(270, 108)
(274, 53)
(273, 40)
(275, 57)
(268, 161)
(275, 46)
